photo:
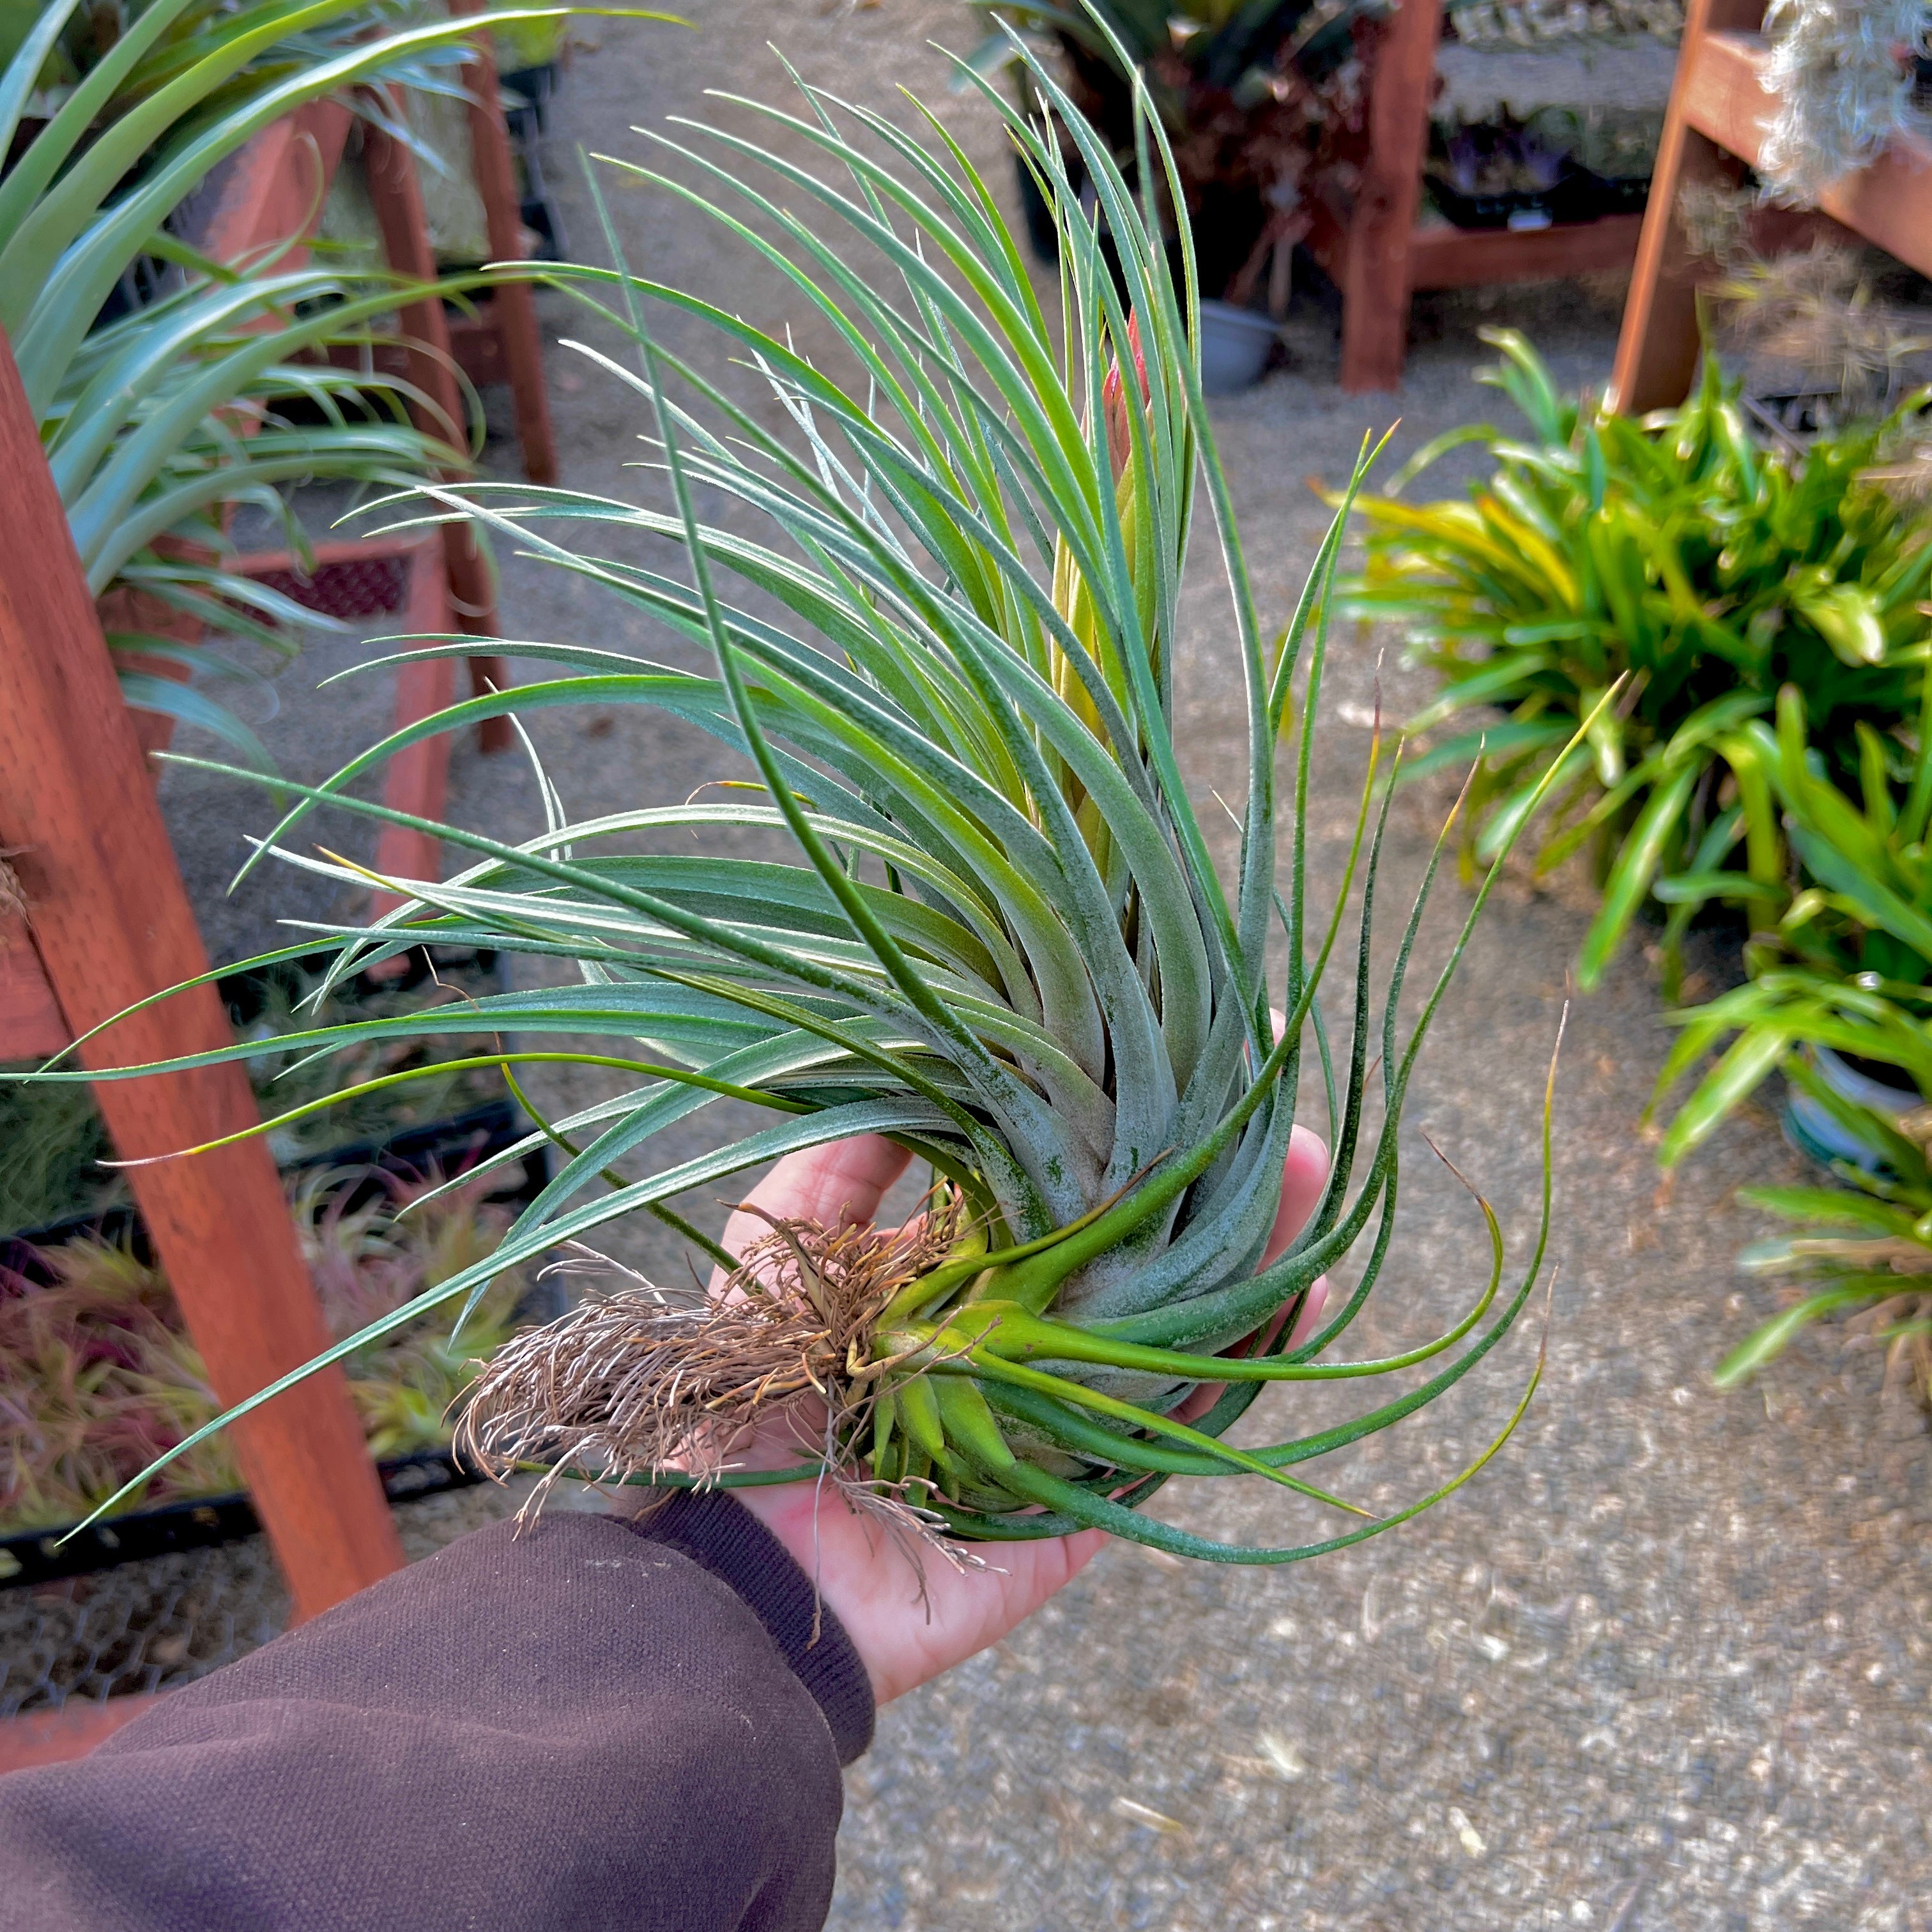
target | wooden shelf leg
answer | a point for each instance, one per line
(1658, 347)
(1376, 287)
(111, 922)
(397, 194)
(514, 303)
(417, 778)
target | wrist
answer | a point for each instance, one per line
(736, 1543)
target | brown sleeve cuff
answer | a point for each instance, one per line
(727, 1540)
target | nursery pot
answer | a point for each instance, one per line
(1812, 1131)
(1235, 344)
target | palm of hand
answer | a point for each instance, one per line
(903, 1631)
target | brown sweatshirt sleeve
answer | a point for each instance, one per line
(593, 1727)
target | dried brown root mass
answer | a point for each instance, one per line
(634, 1383)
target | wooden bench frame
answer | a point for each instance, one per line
(1379, 256)
(1718, 114)
(93, 915)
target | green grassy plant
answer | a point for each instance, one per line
(56, 1143)
(949, 667)
(1863, 1249)
(1847, 966)
(1706, 572)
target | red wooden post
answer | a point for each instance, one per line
(111, 923)
(30, 1026)
(1375, 274)
(275, 186)
(397, 194)
(417, 781)
(1657, 350)
(513, 304)
(69, 1732)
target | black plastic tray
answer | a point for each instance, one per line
(36, 1556)
(1569, 199)
(195, 1523)
(1619, 194)
(533, 87)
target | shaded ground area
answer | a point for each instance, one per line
(1664, 1664)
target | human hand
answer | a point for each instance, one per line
(905, 1632)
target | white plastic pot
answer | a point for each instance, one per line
(1234, 347)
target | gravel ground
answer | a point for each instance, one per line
(1664, 1664)
(157, 1625)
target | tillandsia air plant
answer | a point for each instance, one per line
(1818, 344)
(98, 1377)
(218, 391)
(1704, 572)
(1007, 945)
(1841, 73)
(1848, 967)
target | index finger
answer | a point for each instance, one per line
(841, 1181)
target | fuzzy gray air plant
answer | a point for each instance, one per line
(1843, 88)
(1005, 943)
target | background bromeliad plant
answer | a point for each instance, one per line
(158, 420)
(1678, 555)
(1863, 1249)
(97, 1377)
(1843, 975)
(1008, 946)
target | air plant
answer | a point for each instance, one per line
(1840, 72)
(1812, 333)
(1007, 947)
(98, 1378)
(1703, 571)
(1498, 157)
(372, 1249)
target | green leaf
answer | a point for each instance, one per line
(1770, 1341)
(1756, 1052)
(1846, 616)
(1631, 877)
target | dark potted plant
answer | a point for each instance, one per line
(1259, 98)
